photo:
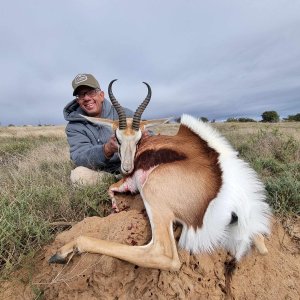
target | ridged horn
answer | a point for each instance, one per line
(117, 106)
(138, 113)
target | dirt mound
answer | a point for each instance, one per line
(94, 276)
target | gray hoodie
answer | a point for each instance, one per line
(86, 139)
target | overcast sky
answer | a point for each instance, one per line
(217, 59)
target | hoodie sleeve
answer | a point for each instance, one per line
(84, 153)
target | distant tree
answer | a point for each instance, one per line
(270, 116)
(292, 118)
(213, 121)
(232, 120)
(245, 120)
(204, 119)
(177, 119)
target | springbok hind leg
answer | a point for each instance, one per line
(259, 242)
(160, 253)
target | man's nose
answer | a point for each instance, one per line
(86, 96)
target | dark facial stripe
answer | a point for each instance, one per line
(151, 158)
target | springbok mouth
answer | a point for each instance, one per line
(125, 172)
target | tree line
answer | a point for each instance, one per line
(268, 117)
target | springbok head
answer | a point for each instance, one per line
(128, 131)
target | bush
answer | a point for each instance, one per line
(241, 120)
(229, 120)
(270, 116)
(276, 158)
(293, 118)
(284, 193)
(204, 119)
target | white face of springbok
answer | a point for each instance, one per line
(127, 138)
(128, 131)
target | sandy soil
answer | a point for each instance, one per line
(93, 276)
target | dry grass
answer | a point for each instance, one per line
(286, 128)
(32, 131)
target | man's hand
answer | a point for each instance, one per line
(110, 147)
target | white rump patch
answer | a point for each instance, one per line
(214, 139)
(241, 192)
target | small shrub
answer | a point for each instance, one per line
(284, 194)
(276, 158)
(267, 166)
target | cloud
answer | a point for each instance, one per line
(214, 59)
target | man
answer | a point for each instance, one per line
(92, 147)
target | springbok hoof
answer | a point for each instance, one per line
(115, 209)
(57, 259)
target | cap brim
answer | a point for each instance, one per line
(89, 85)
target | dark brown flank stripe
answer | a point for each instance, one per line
(151, 158)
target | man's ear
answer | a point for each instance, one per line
(101, 93)
(104, 122)
(153, 123)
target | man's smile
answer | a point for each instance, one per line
(89, 105)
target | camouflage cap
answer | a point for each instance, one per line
(84, 79)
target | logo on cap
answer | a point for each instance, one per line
(80, 78)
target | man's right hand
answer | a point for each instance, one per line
(110, 147)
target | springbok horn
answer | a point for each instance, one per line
(118, 107)
(138, 113)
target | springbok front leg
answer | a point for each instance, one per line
(111, 192)
(122, 186)
(160, 253)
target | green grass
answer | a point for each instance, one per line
(27, 212)
(35, 189)
(276, 157)
(18, 147)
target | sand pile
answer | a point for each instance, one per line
(94, 276)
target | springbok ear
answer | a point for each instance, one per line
(153, 123)
(104, 122)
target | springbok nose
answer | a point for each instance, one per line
(125, 172)
(126, 168)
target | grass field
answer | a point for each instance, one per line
(37, 199)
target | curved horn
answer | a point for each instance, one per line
(138, 113)
(117, 106)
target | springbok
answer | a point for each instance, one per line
(194, 178)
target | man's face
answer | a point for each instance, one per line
(90, 100)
